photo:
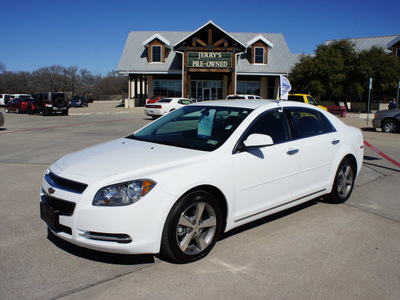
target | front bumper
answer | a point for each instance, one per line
(376, 123)
(131, 229)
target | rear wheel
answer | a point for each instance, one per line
(192, 228)
(344, 182)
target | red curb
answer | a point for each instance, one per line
(382, 154)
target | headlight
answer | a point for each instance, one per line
(124, 193)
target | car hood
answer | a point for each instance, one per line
(122, 156)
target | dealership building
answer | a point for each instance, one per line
(206, 64)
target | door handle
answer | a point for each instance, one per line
(292, 151)
(335, 142)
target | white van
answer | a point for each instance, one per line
(12, 96)
(4, 98)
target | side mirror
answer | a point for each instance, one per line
(257, 140)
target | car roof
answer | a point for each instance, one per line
(253, 104)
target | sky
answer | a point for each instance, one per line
(92, 34)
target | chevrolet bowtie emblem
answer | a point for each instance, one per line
(51, 191)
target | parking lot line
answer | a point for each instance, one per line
(382, 154)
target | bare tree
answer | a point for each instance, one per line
(2, 67)
(71, 79)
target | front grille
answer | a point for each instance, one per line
(65, 208)
(65, 184)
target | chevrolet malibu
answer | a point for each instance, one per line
(175, 185)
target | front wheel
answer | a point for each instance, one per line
(192, 228)
(390, 126)
(344, 182)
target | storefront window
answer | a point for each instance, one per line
(168, 88)
(248, 87)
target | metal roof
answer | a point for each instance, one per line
(367, 43)
(134, 56)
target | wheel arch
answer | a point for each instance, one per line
(219, 196)
(354, 161)
(392, 118)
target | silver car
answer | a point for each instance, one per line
(387, 120)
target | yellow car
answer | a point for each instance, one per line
(306, 99)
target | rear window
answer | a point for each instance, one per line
(236, 97)
(296, 98)
(165, 100)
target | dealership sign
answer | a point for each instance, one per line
(213, 60)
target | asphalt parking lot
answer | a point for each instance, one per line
(315, 251)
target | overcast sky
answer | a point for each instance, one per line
(92, 34)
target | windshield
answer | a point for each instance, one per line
(195, 127)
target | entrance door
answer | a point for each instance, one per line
(207, 94)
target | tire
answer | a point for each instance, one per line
(17, 110)
(59, 102)
(154, 117)
(30, 110)
(344, 182)
(65, 112)
(390, 126)
(45, 112)
(192, 228)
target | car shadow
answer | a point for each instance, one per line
(269, 218)
(102, 257)
(131, 259)
(371, 129)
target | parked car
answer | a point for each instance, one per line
(48, 103)
(243, 97)
(4, 98)
(387, 120)
(12, 96)
(164, 106)
(20, 105)
(1, 119)
(176, 184)
(154, 99)
(305, 99)
(79, 101)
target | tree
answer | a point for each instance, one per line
(383, 68)
(328, 73)
(338, 73)
(71, 78)
(2, 67)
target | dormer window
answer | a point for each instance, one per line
(157, 47)
(259, 55)
(156, 53)
(258, 48)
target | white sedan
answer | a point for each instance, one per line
(164, 106)
(175, 185)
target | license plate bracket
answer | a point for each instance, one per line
(49, 215)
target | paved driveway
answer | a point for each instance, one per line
(315, 251)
